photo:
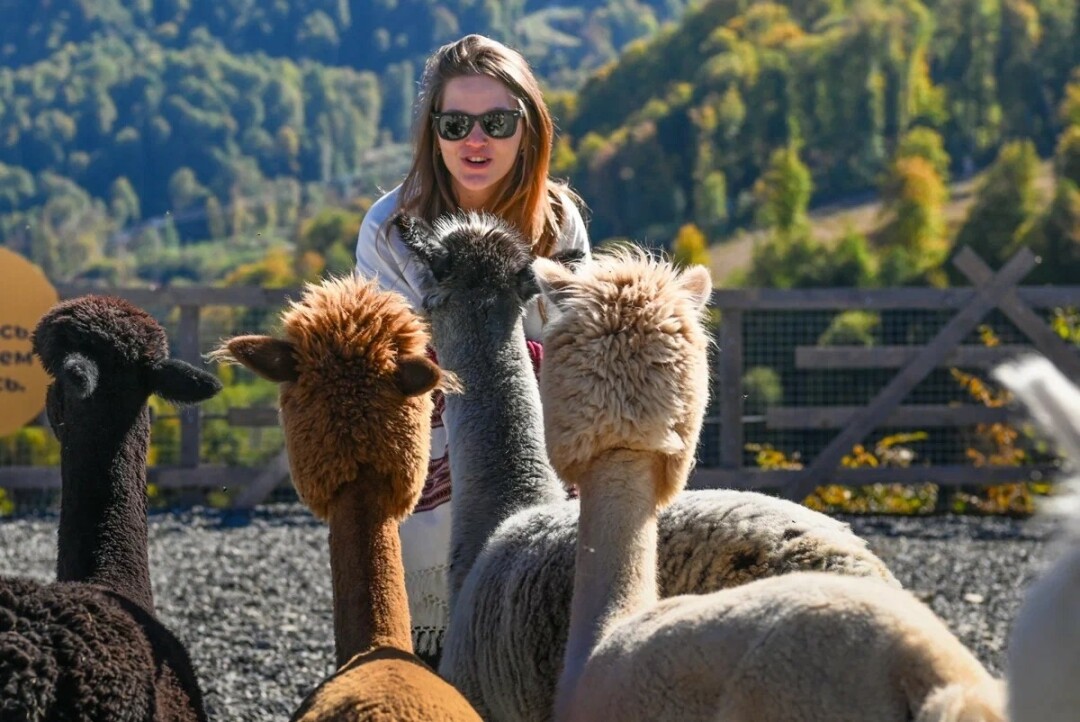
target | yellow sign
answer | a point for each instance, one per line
(25, 295)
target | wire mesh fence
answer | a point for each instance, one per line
(805, 365)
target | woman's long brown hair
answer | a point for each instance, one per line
(527, 197)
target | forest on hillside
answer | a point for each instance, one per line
(234, 141)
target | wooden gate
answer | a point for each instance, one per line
(989, 291)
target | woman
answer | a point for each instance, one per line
(482, 141)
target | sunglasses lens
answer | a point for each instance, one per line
(454, 126)
(499, 123)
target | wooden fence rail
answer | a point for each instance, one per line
(988, 291)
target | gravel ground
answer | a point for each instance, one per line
(251, 595)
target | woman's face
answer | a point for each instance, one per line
(478, 162)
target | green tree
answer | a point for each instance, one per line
(711, 202)
(926, 143)
(914, 236)
(185, 190)
(1005, 201)
(1067, 155)
(1056, 237)
(124, 202)
(783, 193)
(690, 247)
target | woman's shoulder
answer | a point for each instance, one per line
(383, 208)
(569, 212)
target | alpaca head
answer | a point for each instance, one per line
(475, 269)
(625, 363)
(354, 394)
(106, 357)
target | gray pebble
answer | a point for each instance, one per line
(250, 594)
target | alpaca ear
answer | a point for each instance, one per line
(81, 373)
(270, 358)
(697, 281)
(179, 382)
(554, 279)
(527, 286)
(571, 258)
(417, 375)
(419, 237)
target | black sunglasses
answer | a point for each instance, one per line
(456, 125)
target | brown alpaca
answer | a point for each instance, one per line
(356, 411)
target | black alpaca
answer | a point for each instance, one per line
(88, 647)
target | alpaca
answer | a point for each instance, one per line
(626, 389)
(356, 411)
(1043, 655)
(513, 535)
(88, 646)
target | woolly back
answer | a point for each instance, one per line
(625, 363)
(345, 413)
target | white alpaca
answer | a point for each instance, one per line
(801, 647)
(513, 540)
(1043, 657)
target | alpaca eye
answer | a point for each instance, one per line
(440, 267)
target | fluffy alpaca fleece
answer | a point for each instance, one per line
(509, 622)
(356, 408)
(628, 344)
(1043, 658)
(88, 646)
(802, 647)
(808, 647)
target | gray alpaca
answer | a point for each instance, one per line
(514, 535)
(89, 647)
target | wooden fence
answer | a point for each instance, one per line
(970, 305)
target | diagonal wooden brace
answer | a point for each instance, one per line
(985, 297)
(1048, 343)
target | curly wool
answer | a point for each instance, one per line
(520, 590)
(99, 326)
(800, 647)
(627, 350)
(71, 651)
(347, 336)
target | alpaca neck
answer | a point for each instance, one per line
(616, 562)
(103, 538)
(498, 458)
(370, 604)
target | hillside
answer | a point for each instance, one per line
(732, 255)
(683, 125)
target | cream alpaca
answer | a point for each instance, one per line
(356, 409)
(507, 537)
(625, 389)
(1043, 660)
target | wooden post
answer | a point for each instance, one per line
(187, 344)
(729, 379)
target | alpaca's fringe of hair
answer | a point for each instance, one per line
(1054, 404)
(221, 355)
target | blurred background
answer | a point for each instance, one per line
(839, 152)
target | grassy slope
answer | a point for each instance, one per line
(830, 221)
